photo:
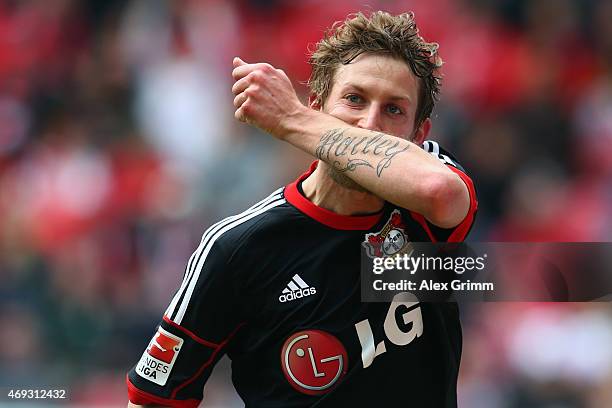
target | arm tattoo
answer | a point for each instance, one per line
(334, 144)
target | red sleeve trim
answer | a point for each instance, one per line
(137, 396)
(140, 397)
(421, 220)
(208, 362)
(461, 230)
(190, 333)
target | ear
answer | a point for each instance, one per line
(422, 132)
(314, 102)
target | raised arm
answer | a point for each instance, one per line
(390, 167)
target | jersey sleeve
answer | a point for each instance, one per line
(459, 232)
(201, 319)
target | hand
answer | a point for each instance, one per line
(264, 97)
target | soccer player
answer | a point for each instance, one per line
(277, 287)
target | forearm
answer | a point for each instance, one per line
(390, 167)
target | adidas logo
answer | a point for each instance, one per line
(296, 289)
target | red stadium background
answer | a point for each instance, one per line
(118, 147)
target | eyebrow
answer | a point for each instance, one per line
(362, 90)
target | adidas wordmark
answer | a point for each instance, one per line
(296, 289)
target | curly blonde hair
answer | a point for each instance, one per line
(380, 33)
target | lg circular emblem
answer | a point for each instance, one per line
(313, 361)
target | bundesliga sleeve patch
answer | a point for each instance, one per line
(159, 357)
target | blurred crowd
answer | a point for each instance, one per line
(118, 147)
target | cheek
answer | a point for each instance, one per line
(405, 127)
(343, 113)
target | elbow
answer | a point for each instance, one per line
(448, 200)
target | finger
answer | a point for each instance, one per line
(237, 61)
(241, 85)
(244, 70)
(240, 99)
(239, 114)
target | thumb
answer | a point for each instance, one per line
(238, 62)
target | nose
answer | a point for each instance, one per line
(371, 119)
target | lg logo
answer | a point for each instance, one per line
(313, 361)
(411, 321)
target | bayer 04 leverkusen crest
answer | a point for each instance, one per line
(390, 240)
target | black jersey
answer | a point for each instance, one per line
(277, 289)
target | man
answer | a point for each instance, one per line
(277, 287)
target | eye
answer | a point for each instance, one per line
(394, 110)
(354, 98)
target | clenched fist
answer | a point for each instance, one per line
(264, 97)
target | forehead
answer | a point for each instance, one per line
(378, 73)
